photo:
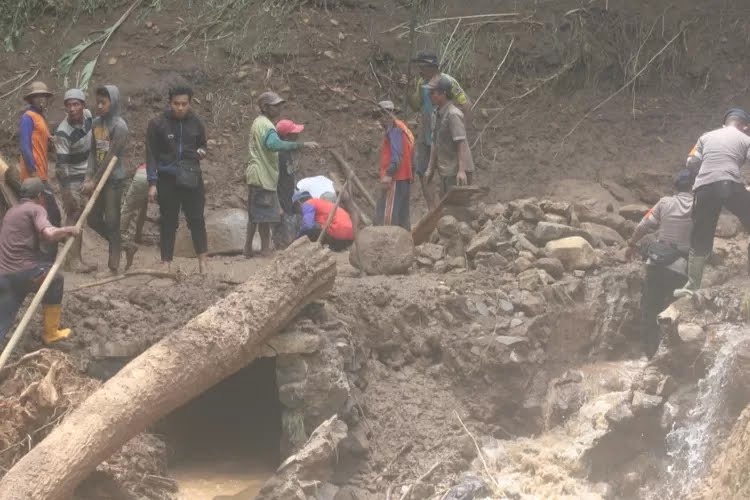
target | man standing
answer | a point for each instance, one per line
(34, 136)
(22, 265)
(73, 146)
(717, 159)
(666, 265)
(262, 173)
(450, 155)
(429, 71)
(110, 137)
(395, 169)
(288, 131)
(136, 201)
(175, 145)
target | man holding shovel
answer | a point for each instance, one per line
(22, 264)
(395, 169)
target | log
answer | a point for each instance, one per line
(457, 196)
(349, 171)
(209, 348)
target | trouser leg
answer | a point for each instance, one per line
(136, 199)
(251, 226)
(112, 202)
(193, 204)
(706, 210)
(169, 212)
(658, 287)
(10, 303)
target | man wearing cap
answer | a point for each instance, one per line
(429, 71)
(450, 155)
(22, 265)
(34, 136)
(73, 146)
(288, 131)
(396, 155)
(717, 158)
(262, 172)
(175, 145)
(666, 257)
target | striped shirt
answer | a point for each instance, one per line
(73, 145)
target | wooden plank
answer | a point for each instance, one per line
(458, 196)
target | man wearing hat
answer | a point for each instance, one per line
(262, 172)
(717, 159)
(22, 265)
(396, 155)
(34, 136)
(73, 146)
(450, 154)
(666, 257)
(429, 71)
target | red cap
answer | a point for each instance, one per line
(286, 127)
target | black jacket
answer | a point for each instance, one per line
(169, 140)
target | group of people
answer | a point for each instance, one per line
(87, 144)
(686, 222)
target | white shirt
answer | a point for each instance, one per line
(317, 186)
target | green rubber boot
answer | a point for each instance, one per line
(696, 263)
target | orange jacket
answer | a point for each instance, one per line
(341, 226)
(39, 145)
(404, 170)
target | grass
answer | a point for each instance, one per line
(16, 16)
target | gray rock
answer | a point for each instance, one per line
(561, 208)
(225, 229)
(383, 250)
(556, 219)
(644, 403)
(574, 253)
(565, 396)
(291, 343)
(448, 227)
(634, 212)
(505, 306)
(728, 227)
(522, 243)
(534, 279)
(493, 212)
(521, 264)
(456, 263)
(469, 488)
(553, 266)
(490, 260)
(511, 341)
(614, 221)
(466, 232)
(485, 241)
(532, 304)
(548, 231)
(619, 415)
(431, 251)
(690, 333)
(527, 210)
(606, 234)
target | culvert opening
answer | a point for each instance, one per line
(226, 440)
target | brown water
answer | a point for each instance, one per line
(206, 480)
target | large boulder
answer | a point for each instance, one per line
(634, 212)
(225, 229)
(609, 219)
(728, 226)
(549, 231)
(605, 234)
(574, 252)
(383, 250)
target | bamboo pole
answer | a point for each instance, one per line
(333, 212)
(350, 174)
(21, 328)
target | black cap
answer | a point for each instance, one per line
(427, 59)
(32, 187)
(737, 113)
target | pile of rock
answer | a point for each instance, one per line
(537, 241)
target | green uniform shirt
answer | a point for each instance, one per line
(263, 165)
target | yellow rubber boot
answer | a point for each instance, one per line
(52, 332)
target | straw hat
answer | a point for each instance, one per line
(35, 89)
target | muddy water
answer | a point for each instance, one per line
(205, 480)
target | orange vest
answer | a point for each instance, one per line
(341, 226)
(39, 145)
(404, 171)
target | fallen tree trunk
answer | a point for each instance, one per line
(210, 347)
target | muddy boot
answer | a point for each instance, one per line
(52, 332)
(130, 250)
(696, 263)
(74, 261)
(114, 259)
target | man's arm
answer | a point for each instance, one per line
(274, 143)
(308, 219)
(415, 98)
(54, 234)
(395, 138)
(25, 131)
(648, 224)
(462, 100)
(152, 147)
(695, 158)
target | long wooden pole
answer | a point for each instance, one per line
(21, 328)
(330, 216)
(350, 174)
